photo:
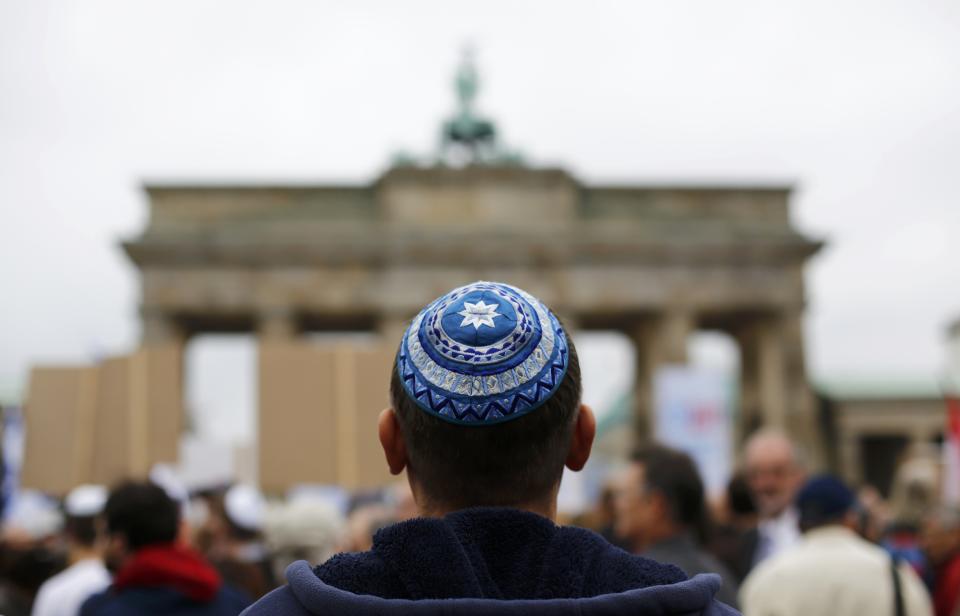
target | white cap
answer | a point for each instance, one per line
(335, 496)
(306, 523)
(85, 500)
(245, 506)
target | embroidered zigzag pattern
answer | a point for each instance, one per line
(508, 404)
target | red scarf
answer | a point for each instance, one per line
(170, 566)
(946, 597)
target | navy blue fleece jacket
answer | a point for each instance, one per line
(487, 560)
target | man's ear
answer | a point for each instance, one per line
(391, 439)
(584, 430)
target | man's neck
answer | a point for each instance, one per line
(546, 510)
(776, 516)
(81, 553)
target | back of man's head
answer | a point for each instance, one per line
(486, 389)
(81, 531)
(142, 514)
(675, 477)
(82, 506)
(825, 500)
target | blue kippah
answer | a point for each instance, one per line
(824, 497)
(483, 354)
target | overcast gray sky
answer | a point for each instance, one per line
(856, 103)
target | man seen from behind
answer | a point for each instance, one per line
(155, 573)
(485, 414)
(832, 570)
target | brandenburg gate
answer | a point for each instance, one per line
(653, 262)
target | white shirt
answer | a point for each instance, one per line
(64, 593)
(777, 534)
(831, 571)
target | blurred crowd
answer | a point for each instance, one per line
(228, 544)
(786, 542)
(783, 541)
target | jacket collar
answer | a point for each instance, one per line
(830, 532)
(694, 596)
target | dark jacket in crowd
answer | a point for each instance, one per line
(735, 548)
(683, 552)
(169, 580)
(477, 561)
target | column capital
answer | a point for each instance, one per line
(276, 323)
(665, 334)
(160, 326)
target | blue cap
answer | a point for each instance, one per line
(824, 497)
(483, 354)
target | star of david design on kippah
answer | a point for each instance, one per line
(482, 354)
(478, 314)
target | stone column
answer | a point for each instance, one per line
(277, 324)
(749, 414)
(159, 327)
(801, 405)
(762, 374)
(771, 372)
(850, 456)
(773, 380)
(659, 341)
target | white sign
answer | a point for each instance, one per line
(693, 413)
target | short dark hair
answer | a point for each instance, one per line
(81, 529)
(142, 513)
(674, 475)
(739, 498)
(509, 463)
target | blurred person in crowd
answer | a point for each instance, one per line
(941, 541)
(155, 574)
(303, 528)
(241, 558)
(874, 513)
(602, 517)
(485, 414)
(832, 570)
(734, 539)
(29, 553)
(661, 512)
(64, 593)
(363, 523)
(207, 518)
(913, 496)
(373, 510)
(166, 476)
(903, 541)
(606, 516)
(774, 473)
(23, 570)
